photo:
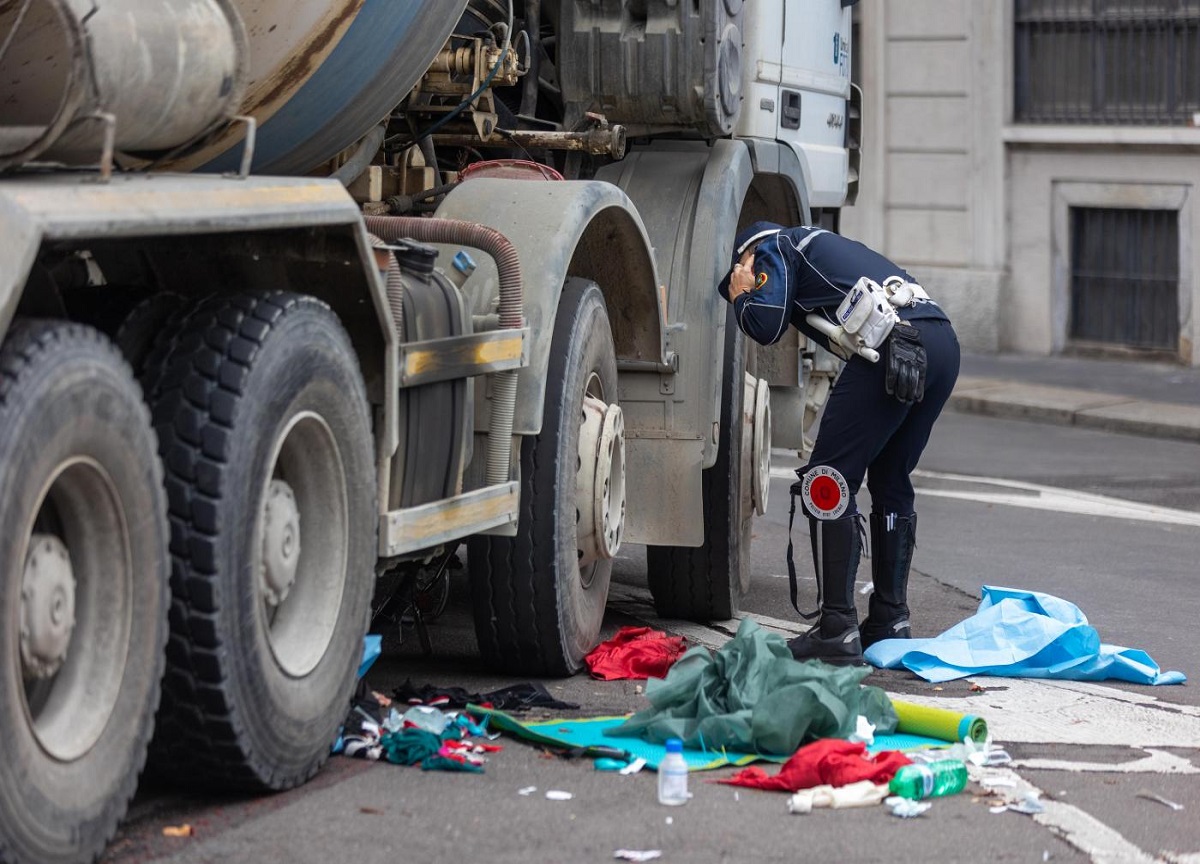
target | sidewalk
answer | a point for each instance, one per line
(1155, 400)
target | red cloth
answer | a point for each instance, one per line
(635, 652)
(830, 761)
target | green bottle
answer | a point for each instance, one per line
(944, 777)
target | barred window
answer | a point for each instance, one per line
(1134, 62)
(1125, 278)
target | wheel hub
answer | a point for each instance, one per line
(280, 542)
(600, 481)
(761, 467)
(47, 607)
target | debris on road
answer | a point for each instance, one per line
(558, 795)
(517, 697)
(828, 762)
(635, 653)
(906, 808)
(526, 790)
(752, 696)
(179, 831)
(637, 854)
(864, 793)
(1152, 796)
(1038, 635)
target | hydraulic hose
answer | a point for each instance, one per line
(508, 266)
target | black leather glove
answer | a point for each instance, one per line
(906, 364)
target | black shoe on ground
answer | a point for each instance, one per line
(843, 649)
(872, 632)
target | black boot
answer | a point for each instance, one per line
(837, 546)
(893, 538)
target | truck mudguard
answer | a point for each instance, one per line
(586, 229)
(690, 195)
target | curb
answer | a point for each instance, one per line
(1070, 407)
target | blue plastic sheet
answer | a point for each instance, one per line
(372, 648)
(1020, 634)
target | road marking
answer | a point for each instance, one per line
(1157, 762)
(1021, 710)
(1033, 496)
(1083, 831)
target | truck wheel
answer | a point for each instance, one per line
(539, 597)
(83, 590)
(266, 439)
(705, 583)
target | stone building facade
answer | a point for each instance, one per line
(1035, 163)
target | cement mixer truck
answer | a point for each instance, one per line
(297, 299)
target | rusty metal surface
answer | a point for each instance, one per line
(463, 356)
(413, 528)
(323, 80)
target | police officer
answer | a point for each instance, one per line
(902, 360)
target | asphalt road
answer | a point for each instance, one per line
(1110, 522)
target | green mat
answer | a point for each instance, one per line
(589, 732)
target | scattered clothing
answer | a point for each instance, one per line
(515, 698)
(752, 697)
(1020, 634)
(829, 762)
(635, 652)
(410, 746)
(861, 794)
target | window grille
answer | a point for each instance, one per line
(1134, 62)
(1125, 278)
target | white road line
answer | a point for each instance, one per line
(1157, 762)
(1021, 710)
(1038, 497)
(1033, 496)
(1083, 831)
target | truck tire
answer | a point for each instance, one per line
(266, 440)
(83, 590)
(536, 611)
(144, 325)
(706, 583)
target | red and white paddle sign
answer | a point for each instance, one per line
(825, 492)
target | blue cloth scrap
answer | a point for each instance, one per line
(372, 648)
(1020, 634)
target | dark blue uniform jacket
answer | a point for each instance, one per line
(804, 270)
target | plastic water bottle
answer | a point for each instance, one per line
(944, 777)
(672, 775)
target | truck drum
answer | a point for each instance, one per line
(266, 440)
(83, 598)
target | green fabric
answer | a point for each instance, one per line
(409, 746)
(751, 696)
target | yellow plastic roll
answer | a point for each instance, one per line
(939, 723)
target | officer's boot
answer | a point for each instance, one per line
(836, 546)
(893, 538)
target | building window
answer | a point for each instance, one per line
(1125, 278)
(1133, 62)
